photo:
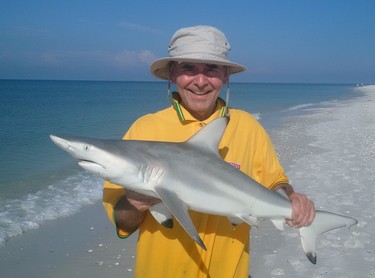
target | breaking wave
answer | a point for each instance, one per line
(62, 198)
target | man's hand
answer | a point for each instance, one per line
(303, 210)
(131, 209)
(141, 202)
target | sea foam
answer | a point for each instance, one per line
(62, 198)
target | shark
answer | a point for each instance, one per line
(191, 175)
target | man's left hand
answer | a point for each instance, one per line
(303, 210)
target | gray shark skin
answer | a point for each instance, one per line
(192, 176)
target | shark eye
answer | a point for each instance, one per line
(86, 147)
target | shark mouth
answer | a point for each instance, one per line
(87, 164)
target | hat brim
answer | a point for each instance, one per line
(160, 68)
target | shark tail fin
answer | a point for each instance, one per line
(323, 222)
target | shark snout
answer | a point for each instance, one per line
(62, 143)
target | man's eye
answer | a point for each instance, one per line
(187, 67)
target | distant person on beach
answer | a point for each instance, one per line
(199, 67)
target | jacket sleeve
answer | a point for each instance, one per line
(111, 194)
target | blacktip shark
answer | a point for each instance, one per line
(192, 176)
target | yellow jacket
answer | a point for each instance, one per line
(163, 252)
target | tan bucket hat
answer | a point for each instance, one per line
(197, 44)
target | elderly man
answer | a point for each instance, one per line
(199, 67)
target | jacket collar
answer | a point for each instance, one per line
(184, 116)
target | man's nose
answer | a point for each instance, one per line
(200, 80)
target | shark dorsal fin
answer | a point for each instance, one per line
(208, 138)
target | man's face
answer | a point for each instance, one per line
(199, 86)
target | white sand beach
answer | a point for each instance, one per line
(330, 156)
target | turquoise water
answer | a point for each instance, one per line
(39, 182)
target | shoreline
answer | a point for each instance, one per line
(82, 245)
(85, 244)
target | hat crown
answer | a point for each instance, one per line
(199, 42)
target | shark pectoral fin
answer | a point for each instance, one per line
(251, 220)
(323, 222)
(180, 211)
(279, 223)
(162, 214)
(235, 220)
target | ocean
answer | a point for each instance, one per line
(39, 182)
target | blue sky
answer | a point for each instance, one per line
(329, 41)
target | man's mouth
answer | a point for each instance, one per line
(199, 93)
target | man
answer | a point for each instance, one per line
(199, 67)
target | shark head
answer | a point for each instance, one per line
(99, 157)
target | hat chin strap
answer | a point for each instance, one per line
(227, 113)
(175, 103)
(169, 90)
